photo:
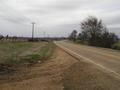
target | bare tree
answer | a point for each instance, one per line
(96, 33)
(73, 35)
(7, 37)
(1, 37)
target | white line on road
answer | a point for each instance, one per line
(117, 75)
(100, 52)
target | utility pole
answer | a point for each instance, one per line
(33, 23)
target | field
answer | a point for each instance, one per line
(16, 54)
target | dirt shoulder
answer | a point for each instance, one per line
(85, 76)
(45, 76)
(63, 72)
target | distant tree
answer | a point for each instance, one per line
(108, 39)
(1, 37)
(7, 37)
(92, 27)
(73, 35)
(14, 38)
(95, 33)
(82, 36)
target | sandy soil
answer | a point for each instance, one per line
(45, 76)
(85, 76)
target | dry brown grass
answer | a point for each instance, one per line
(27, 54)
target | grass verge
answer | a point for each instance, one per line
(10, 58)
(116, 46)
(41, 55)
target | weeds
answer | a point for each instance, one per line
(9, 54)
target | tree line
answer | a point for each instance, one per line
(11, 38)
(95, 33)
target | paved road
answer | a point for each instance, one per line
(106, 59)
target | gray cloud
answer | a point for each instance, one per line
(11, 15)
(56, 17)
(13, 19)
(113, 20)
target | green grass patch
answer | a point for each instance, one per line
(17, 58)
(10, 50)
(10, 53)
(41, 54)
(34, 56)
(116, 46)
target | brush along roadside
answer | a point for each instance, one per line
(10, 58)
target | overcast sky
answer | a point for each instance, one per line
(55, 17)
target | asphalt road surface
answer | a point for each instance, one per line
(107, 60)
